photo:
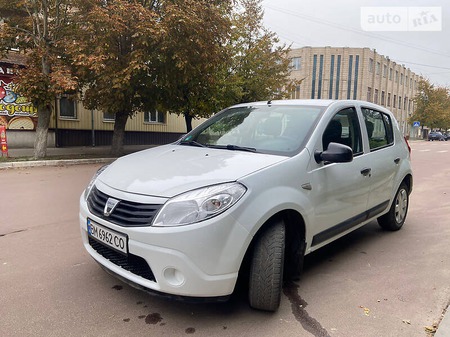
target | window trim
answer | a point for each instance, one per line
(108, 120)
(296, 63)
(75, 109)
(157, 121)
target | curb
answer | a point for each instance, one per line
(444, 326)
(60, 162)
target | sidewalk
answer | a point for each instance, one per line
(65, 156)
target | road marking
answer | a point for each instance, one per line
(427, 150)
(443, 151)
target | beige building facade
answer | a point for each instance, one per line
(355, 73)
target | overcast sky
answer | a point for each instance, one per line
(340, 23)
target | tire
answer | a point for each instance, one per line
(395, 218)
(266, 269)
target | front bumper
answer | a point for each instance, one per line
(200, 260)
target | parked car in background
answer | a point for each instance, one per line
(446, 135)
(436, 135)
(248, 193)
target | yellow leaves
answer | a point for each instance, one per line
(431, 329)
(366, 310)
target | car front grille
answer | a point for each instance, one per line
(132, 263)
(126, 213)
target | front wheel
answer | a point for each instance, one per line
(395, 218)
(266, 269)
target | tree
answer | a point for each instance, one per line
(432, 106)
(193, 56)
(212, 66)
(113, 55)
(39, 28)
(259, 64)
(146, 55)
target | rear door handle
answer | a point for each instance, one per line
(397, 160)
(366, 171)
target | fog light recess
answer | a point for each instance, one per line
(174, 277)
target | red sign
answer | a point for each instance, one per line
(3, 141)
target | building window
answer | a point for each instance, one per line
(313, 89)
(296, 63)
(410, 82)
(355, 85)
(349, 79)
(369, 94)
(330, 90)
(399, 102)
(382, 98)
(296, 93)
(378, 70)
(401, 78)
(319, 86)
(390, 74)
(371, 65)
(405, 103)
(375, 96)
(394, 101)
(156, 116)
(396, 76)
(389, 99)
(385, 70)
(109, 116)
(338, 76)
(67, 108)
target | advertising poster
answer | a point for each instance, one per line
(16, 111)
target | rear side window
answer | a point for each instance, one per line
(379, 128)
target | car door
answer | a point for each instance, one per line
(339, 191)
(383, 158)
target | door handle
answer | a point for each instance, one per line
(366, 172)
(397, 160)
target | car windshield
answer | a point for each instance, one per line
(265, 129)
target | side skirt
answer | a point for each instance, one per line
(348, 224)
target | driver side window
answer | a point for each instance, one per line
(344, 129)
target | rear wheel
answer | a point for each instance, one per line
(266, 269)
(395, 218)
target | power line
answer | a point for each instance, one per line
(424, 65)
(353, 30)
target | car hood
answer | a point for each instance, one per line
(169, 170)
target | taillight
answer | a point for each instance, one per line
(409, 147)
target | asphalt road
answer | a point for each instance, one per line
(371, 283)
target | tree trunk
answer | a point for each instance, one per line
(188, 120)
(119, 133)
(40, 142)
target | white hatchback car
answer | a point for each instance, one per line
(249, 192)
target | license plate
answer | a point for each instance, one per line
(108, 237)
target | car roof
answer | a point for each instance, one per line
(313, 102)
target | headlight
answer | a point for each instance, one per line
(92, 182)
(199, 205)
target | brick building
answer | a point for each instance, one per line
(355, 73)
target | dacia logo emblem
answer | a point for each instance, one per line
(110, 205)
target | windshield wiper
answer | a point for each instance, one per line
(192, 143)
(234, 147)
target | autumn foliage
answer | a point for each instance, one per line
(188, 57)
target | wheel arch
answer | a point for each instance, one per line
(408, 180)
(295, 241)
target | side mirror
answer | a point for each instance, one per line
(335, 153)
